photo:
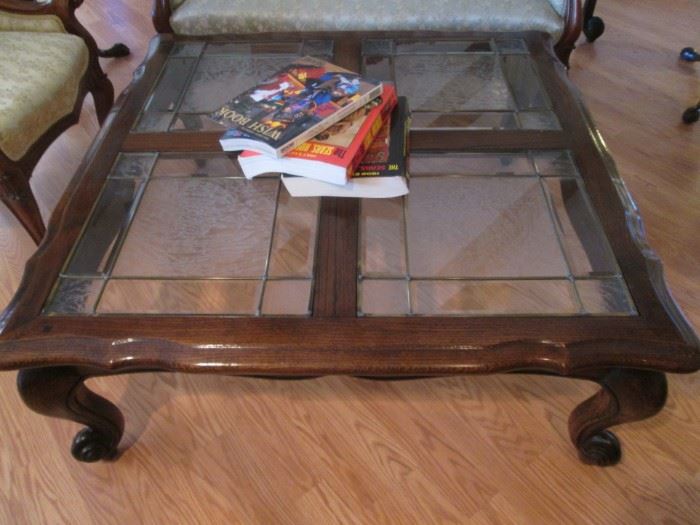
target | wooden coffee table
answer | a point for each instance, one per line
(518, 248)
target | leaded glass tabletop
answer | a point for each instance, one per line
(481, 233)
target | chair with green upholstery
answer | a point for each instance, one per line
(559, 18)
(49, 62)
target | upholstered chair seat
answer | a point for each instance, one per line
(39, 85)
(48, 63)
(209, 17)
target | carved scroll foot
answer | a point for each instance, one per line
(627, 395)
(118, 50)
(60, 392)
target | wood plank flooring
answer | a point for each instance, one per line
(337, 450)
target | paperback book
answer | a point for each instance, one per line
(333, 155)
(292, 106)
(382, 172)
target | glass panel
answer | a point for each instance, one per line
(133, 165)
(180, 297)
(194, 122)
(253, 48)
(378, 47)
(556, 163)
(187, 49)
(107, 223)
(318, 48)
(443, 46)
(294, 240)
(218, 78)
(378, 68)
(382, 245)
(193, 165)
(526, 86)
(538, 120)
(200, 227)
(471, 164)
(383, 297)
(481, 227)
(74, 296)
(605, 296)
(472, 120)
(163, 101)
(511, 46)
(447, 83)
(551, 297)
(290, 297)
(586, 247)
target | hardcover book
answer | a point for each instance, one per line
(292, 106)
(334, 154)
(381, 174)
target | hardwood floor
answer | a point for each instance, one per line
(336, 450)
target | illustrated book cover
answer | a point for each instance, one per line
(334, 154)
(381, 174)
(292, 106)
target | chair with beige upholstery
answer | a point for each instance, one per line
(49, 63)
(559, 18)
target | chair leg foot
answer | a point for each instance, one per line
(692, 114)
(118, 50)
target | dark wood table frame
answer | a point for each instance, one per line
(627, 356)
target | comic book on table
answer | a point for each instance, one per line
(292, 106)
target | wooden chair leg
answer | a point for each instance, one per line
(17, 195)
(103, 94)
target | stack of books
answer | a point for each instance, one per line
(327, 130)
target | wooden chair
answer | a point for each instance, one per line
(560, 18)
(49, 62)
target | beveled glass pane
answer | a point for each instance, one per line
(383, 297)
(529, 297)
(122, 296)
(200, 227)
(443, 47)
(378, 68)
(294, 241)
(605, 296)
(447, 83)
(382, 240)
(108, 221)
(514, 45)
(74, 296)
(318, 48)
(193, 165)
(253, 48)
(164, 99)
(187, 49)
(378, 47)
(585, 244)
(524, 82)
(555, 163)
(543, 119)
(470, 120)
(471, 164)
(218, 78)
(289, 297)
(194, 122)
(481, 227)
(133, 165)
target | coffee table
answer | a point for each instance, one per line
(518, 248)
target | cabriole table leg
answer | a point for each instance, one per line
(626, 395)
(60, 392)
